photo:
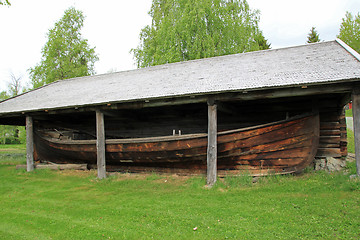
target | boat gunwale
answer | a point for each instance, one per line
(176, 137)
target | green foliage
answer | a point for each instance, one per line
(3, 95)
(10, 134)
(263, 44)
(21, 134)
(350, 31)
(5, 2)
(184, 30)
(313, 36)
(66, 54)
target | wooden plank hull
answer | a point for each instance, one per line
(281, 147)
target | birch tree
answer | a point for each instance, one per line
(350, 31)
(66, 54)
(190, 29)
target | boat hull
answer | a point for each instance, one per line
(275, 148)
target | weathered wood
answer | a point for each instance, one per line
(343, 133)
(333, 141)
(356, 117)
(150, 169)
(191, 99)
(330, 139)
(344, 151)
(274, 147)
(53, 166)
(328, 152)
(329, 125)
(62, 166)
(329, 145)
(146, 122)
(212, 144)
(334, 132)
(330, 117)
(100, 145)
(29, 144)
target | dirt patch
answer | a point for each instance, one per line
(79, 173)
(350, 157)
(173, 179)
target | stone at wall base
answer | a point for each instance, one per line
(330, 164)
(354, 176)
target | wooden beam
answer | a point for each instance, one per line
(241, 95)
(345, 99)
(356, 118)
(100, 144)
(55, 166)
(212, 144)
(29, 144)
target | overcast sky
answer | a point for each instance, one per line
(113, 27)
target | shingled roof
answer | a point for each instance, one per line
(311, 64)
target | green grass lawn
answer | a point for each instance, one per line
(46, 204)
(351, 141)
(12, 148)
(12, 154)
(348, 113)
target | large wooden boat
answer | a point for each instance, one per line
(275, 148)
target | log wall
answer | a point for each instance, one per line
(333, 137)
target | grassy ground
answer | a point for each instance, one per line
(348, 113)
(74, 205)
(12, 154)
(351, 143)
(12, 148)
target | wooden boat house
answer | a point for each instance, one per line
(261, 112)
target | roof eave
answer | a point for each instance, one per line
(305, 89)
(348, 48)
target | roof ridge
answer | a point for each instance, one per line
(354, 53)
(166, 65)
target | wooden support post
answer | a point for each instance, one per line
(212, 144)
(100, 144)
(356, 119)
(29, 144)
